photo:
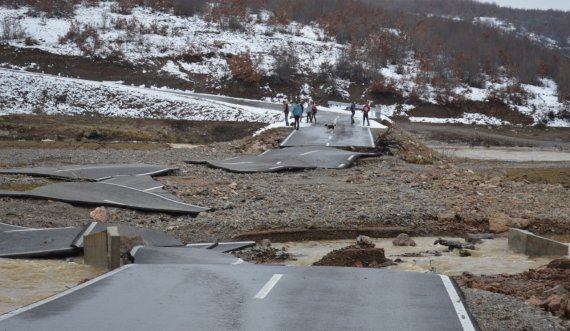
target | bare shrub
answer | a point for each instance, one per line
(244, 68)
(12, 29)
(381, 87)
(286, 63)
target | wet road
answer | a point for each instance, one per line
(250, 297)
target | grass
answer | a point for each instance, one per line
(20, 186)
(540, 176)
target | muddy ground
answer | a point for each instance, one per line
(409, 189)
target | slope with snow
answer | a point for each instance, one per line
(192, 45)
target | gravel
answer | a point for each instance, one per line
(385, 191)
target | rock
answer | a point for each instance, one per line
(451, 245)
(476, 237)
(364, 242)
(499, 222)
(233, 185)
(403, 240)
(535, 301)
(265, 243)
(100, 214)
(553, 303)
(558, 290)
(562, 263)
(464, 253)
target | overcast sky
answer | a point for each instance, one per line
(533, 4)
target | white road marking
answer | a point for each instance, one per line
(239, 261)
(371, 138)
(268, 286)
(102, 178)
(16, 226)
(236, 163)
(153, 188)
(113, 202)
(231, 158)
(157, 195)
(87, 231)
(351, 157)
(154, 172)
(288, 137)
(341, 165)
(135, 249)
(44, 229)
(307, 153)
(328, 144)
(330, 137)
(62, 294)
(267, 151)
(464, 318)
(278, 167)
(278, 162)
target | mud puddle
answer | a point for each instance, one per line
(490, 257)
(513, 154)
(23, 282)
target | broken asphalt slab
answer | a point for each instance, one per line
(180, 255)
(28, 243)
(150, 237)
(290, 159)
(95, 172)
(7, 227)
(109, 194)
(224, 247)
(55, 242)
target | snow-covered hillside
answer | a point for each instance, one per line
(184, 47)
(25, 93)
(145, 35)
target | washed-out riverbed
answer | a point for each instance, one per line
(513, 154)
(490, 257)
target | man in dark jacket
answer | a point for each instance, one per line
(365, 111)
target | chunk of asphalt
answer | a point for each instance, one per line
(35, 243)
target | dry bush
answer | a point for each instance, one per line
(91, 3)
(244, 68)
(12, 29)
(381, 87)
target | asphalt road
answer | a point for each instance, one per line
(290, 158)
(345, 134)
(247, 297)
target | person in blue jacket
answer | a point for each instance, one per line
(297, 113)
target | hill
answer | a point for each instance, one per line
(418, 64)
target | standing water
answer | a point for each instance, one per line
(489, 258)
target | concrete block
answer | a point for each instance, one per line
(113, 248)
(102, 249)
(95, 250)
(528, 243)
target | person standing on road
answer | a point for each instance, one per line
(286, 112)
(314, 112)
(297, 113)
(352, 111)
(365, 111)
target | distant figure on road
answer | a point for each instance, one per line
(309, 112)
(352, 111)
(286, 112)
(365, 111)
(314, 112)
(297, 113)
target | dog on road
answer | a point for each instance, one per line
(330, 126)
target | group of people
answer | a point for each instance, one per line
(365, 110)
(298, 109)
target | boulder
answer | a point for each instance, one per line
(100, 214)
(364, 242)
(499, 222)
(403, 240)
